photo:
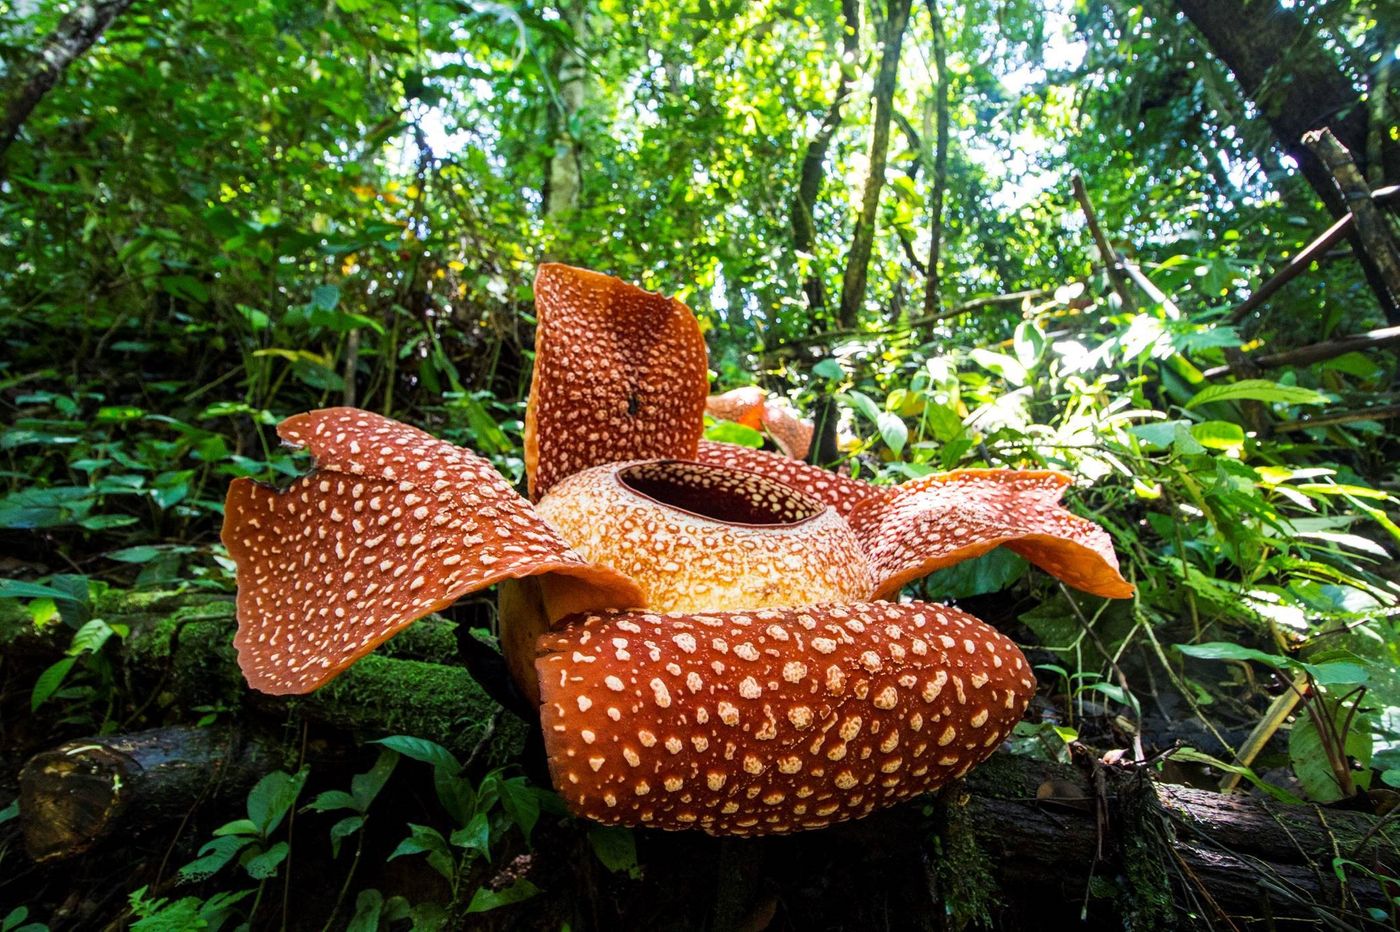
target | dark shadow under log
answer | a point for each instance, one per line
(80, 793)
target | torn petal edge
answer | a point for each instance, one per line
(930, 523)
(392, 525)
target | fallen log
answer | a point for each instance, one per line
(78, 794)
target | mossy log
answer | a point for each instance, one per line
(1167, 856)
(180, 651)
(75, 795)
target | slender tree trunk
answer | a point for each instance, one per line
(858, 259)
(809, 183)
(939, 182)
(564, 183)
(1282, 66)
(34, 78)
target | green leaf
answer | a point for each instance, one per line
(333, 799)
(264, 865)
(730, 432)
(1257, 390)
(616, 848)
(49, 681)
(344, 829)
(421, 749)
(893, 431)
(829, 369)
(1223, 650)
(991, 572)
(1008, 367)
(521, 803)
(17, 589)
(486, 899)
(90, 637)
(9, 812)
(424, 839)
(368, 906)
(212, 857)
(1311, 755)
(1218, 435)
(272, 798)
(475, 835)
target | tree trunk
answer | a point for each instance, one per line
(804, 233)
(32, 79)
(939, 181)
(1282, 66)
(77, 794)
(564, 183)
(863, 240)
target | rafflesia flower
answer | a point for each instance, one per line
(706, 627)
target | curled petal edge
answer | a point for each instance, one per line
(392, 525)
(936, 521)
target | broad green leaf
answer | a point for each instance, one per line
(893, 431)
(264, 865)
(49, 681)
(272, 798)
(1257, 390)
(615, 847)
(486, 899)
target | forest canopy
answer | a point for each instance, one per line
(1081, 235)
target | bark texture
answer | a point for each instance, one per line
(863, 240)
(804, 233)
(74, 35)
(1283, 66)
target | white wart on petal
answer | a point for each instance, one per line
(767, 722)
(392, 525)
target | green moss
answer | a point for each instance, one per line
(966, 883)
(1145, 899)
(382, 696)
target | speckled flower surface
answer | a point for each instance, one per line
(712, 651)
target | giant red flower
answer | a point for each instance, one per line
(704, 625)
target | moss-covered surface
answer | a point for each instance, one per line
(181, 646)
(385, 695)
(1145, 900)
(966, 883)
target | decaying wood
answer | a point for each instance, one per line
(1377, 413)
(79, 793)
(1233, 859)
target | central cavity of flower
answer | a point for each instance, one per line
(698, 537)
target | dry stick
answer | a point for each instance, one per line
(1282, 707)
(1314, 352)
(1112, 261)
(1306, 257)
(1370, 225)
(1378, 413)
(1151, 290)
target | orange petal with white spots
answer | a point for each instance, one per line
(393, 524)
(620, 374)
(767, 722)
(752, 407)
(740, 405)
(841, 492)
(933, 522)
